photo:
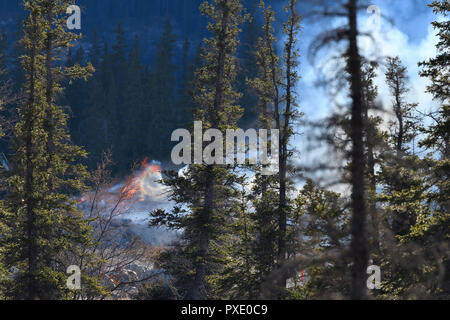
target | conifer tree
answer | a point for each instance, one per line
(238, 279)
(44, 172)
(134, 126)
(397, 168)
(163, 112)
(275, 87)
(4, 97)
(321, 222)
(3, 52)
(359, 246)
(116, 96)
(374, 140)
(17, 72)
(437, 138)
(95, 51)
(437, 70)
(265, 197)
(185, 103)
(396, 78)
(206, 190)
(284, 118)
(247, 65)
(76, 95)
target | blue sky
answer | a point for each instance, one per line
(410, 36)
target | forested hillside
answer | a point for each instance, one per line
(144, 54)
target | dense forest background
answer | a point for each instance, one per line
(145, 54)
(85, 148)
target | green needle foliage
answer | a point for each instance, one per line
(205, 193)
(47, 226)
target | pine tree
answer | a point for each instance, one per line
(277, 78)
(116, 97)
(44, 171)
(356, 128)
(437, 70)
(17, 72)
(237, 279)
(396, 78)
(265, 198)
(321, 222)
(248, 67)
(134, 126)
(76, 95)
(185, 103)
(101, 114)
(163, 84)
(3, 55)
(374, 141)
(4, 97)
(359, 246)
(434, 231)
(416, 219)
(402, 133)
(206, 190)
(95, 51)
(284, 122)
(3, 89)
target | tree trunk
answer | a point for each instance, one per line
(49, 121)
(198, 291)
(199, 287)
(359, 249)
(29, 180)
(373, 212)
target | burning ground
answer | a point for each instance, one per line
(127, 204)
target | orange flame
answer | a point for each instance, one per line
(137, 185)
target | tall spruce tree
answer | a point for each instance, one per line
(403, 132)
(164, 112)
(356, 128)
(321, 219)
(275, 87)
(265, 197)
(374, 141)
(359, 245)
(47, 226)
(4, 93)
(134, 126)
(247, 65)
(438, 139)
(185, 103)
(205, 193)
(285, 114)
(402, 186)
(3, 54)
(397, 81)
(437, 70)
(17, 72)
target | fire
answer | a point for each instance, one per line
(142, 184)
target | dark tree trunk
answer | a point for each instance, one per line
(399, 114)
(49, 121)
(359, 246)
(198, 291)
(29, 180)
